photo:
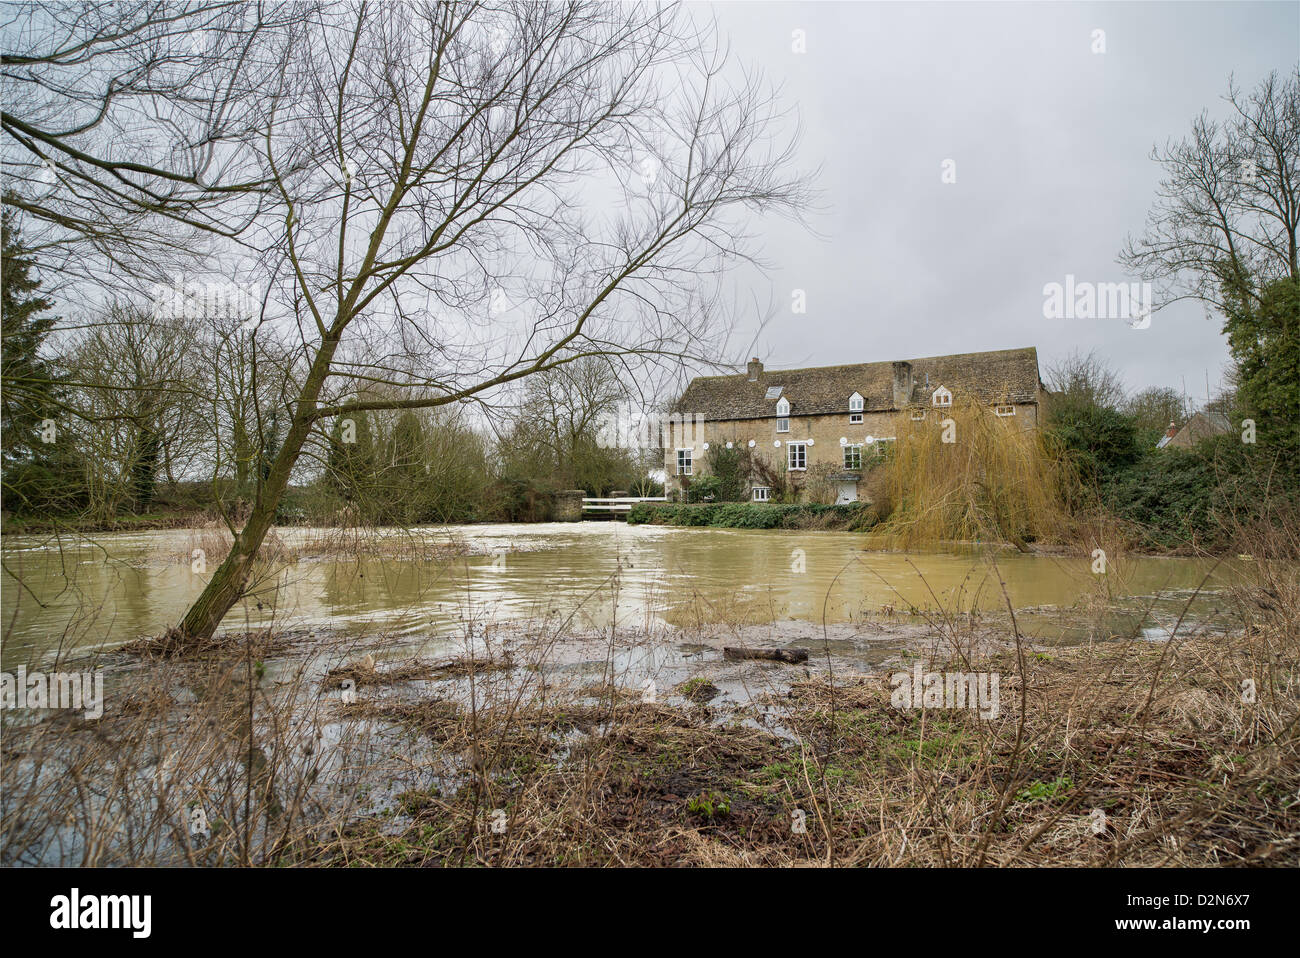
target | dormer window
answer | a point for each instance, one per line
(783, 415)
(941, 397)
(856, 405)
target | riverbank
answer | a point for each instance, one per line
(724, 515)
(11, 525)
(540, 743)
(851, 517)
(1092, 767)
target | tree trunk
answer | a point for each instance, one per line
(227, 583)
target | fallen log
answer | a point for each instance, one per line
(771, 655)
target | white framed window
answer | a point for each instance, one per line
(783, 415)
(856, 406)
(798, 455)
(853, 457)
(762, 493)
(685, 462)
(1004, 410)
(918, 415)
(941, 397)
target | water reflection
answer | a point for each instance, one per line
(114, 587)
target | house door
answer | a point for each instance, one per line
(848, 493)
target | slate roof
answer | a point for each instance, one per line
(1200, 426)
(1001, 376)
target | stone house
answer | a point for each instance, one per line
(793, 420)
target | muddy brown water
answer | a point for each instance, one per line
(101, 590)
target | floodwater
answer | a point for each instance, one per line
(101, 590)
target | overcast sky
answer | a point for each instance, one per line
(1051, 144)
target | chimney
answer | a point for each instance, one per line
(755, 369)
(902, 384)
(1172, 430)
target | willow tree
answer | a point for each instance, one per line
(469, 194)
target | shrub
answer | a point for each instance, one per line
(1199, 496)
(732, 468)
(704, 488)
(752, 515)
(1098, 440)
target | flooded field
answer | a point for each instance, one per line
(105, 589)
(485, 692)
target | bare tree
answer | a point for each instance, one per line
(132, 380)
(242, 388)
(1157, 406)
(558, 421)
(470, 194)
(1085, 378)
(1227, 212)
(127, 126)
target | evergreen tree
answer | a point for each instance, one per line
(1264, 337)
(40, 467)
(351, 457)
(28, 378)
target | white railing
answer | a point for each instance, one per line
(624, 504)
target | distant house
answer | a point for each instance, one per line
(799, 418)
(1201, 426)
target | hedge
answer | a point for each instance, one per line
(746, 515)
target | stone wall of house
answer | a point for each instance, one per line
(824, 432)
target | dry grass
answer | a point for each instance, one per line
(1123, 755)
(171, 644)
